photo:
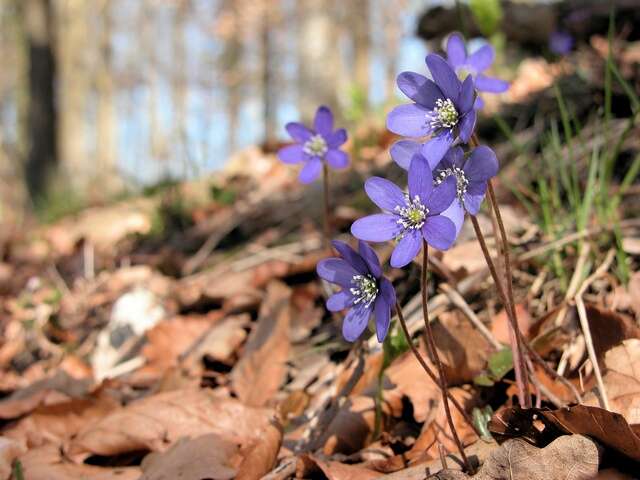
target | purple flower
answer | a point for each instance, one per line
(364, 289)
(474, 65)
(315, 146)
(470, 172)
(560, 43)
(443, 107)
(411, 217)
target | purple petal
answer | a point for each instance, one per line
(442, 196)
(419, 88)
(337, 159)
(355, 322)
(311, 170)
(482, 164)
(292, 154)
(323, 122)
(466, 126)
(479, 103)
(406, 249)
(298, 131)
(388, 292)
(420, 178)
(337, 138)
(409, 121)
(444, 76)
(456, 50)
(472, 202)
(453, 158)
(371, 259)
(382, 312)
(439, 232)
(351, 256)
(482, 58)
(376, 228)
(339, 301)
(455, 213)
(403, 151)
(336, 270)
(435, 148)
(467, 95)
(384, 193)
(491, 84)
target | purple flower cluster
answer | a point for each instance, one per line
(446, 179)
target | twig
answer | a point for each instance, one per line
(430, 372)
(459, 301)
(436, 356)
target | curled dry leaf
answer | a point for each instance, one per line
(309, 466)
(261, 457)
(609, 328)
(262, 367)
(9, 450)
(352, 427)
(155, 422)
(207, 456)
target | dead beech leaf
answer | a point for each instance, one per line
(462, 348)
(55, 389)
(609, 328)
(409, 379)
(220, 342)
(10, 449)
(570, 457)
(262, 368)
(47, 463)
(207, 456)
(622, 380)
(155, 422)
(500, 326)
(351, 428)
(309, 466)
(261, 457)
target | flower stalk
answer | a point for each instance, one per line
(326, 212)
(432, 347)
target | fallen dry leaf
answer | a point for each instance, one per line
(500, 324)
(309, 466)
(262, 367)
(207, 456)
(351, 428)
(261, 457)
(10, 449)
(47, 463)
(609, 328)
(573, 457)
(155, 422)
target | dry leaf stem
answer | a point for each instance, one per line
(432, 346)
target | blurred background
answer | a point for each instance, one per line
(100, 98)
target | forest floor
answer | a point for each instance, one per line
(183, 335)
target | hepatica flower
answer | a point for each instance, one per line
(364, 290)
(560, 42)
(471, 173)
(443, 107)
(474, 65)
(409, 218)
(314, 146)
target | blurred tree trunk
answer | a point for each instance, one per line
(106, 134)
(360, 22)
(391, 38)
(74, 88)
(269, 71)
(40, 120)
(318, 58)
(231, 67)
(179, 86)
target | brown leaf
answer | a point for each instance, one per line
(622, 380)
(55, 389)
(155, 422)
(609, 328)
(207, 456)
(9, 450)
(262, 368)
(501, 325)
(352, 427)
(47, 463)
(572, 457)
(309, 466)
(261, 457)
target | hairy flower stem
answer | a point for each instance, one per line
(430, 372)
(518, 358)
(327, 209)
(432, 346)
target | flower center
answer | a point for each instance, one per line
(413, 214)
(365, 289)
(444, 114)
(462, 182)
(316, 146)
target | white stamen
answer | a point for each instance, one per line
(462, 182)
(413, 214)
(443, 115)
(365, 289)
(316, 146)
